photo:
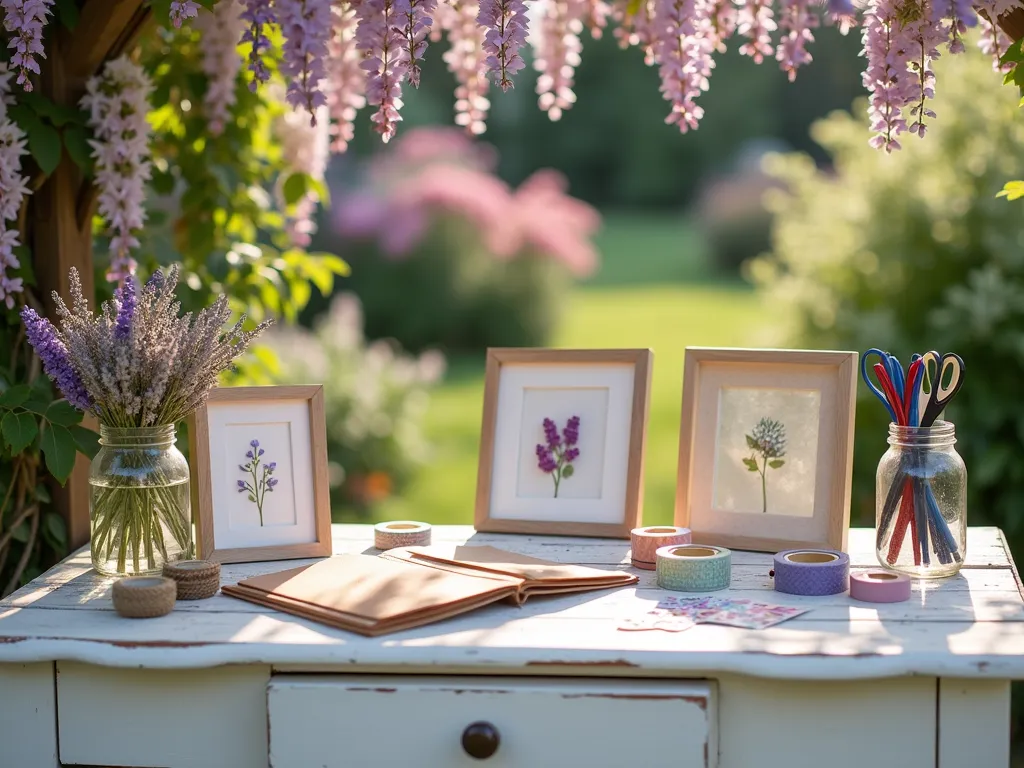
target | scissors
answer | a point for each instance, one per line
(932, 394)
(884, 358)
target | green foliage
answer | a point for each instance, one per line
(450, 292)
(375, 400)
(912, 252)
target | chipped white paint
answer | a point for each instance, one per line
(940, 662)
(538, 722)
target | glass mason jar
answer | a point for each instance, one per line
(921, 502)
(139, 502)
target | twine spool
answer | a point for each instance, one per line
(144, 597)
(196, 579)
(401, 533)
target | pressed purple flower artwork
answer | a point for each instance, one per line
(261, 477)
(558, 451)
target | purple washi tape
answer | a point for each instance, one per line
(812, 572)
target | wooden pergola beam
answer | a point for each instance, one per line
(61, 211)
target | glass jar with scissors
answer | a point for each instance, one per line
(921, 482)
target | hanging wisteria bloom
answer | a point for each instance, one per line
(558, 49)
(306, 26)
(258, 16)
(305, 148)
(221, 30)
(346, 80)
(756, 21)
(379, 39)
(684, 60)
(13, 189)
(507, 24)
(416, 22)
(24, 20)
(182, 10)
(796, 21)
(118, 101)
(466, 60)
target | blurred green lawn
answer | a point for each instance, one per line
(639, 299)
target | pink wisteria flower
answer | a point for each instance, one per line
(756, 22)
(380, 40)
(507, 24)
(558, 49)
(346, 80)
(306, 26)
(796, 20)
(118, 101)
(24, 21)
(416, 25)
(221, 30)
(466, 60)
(888, 46)
(305, 147)
(684, 60)
(13, 189)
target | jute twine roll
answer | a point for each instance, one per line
(144, 597)
(196, 579)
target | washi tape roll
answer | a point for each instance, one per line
(144, 597)
(812, 572)
(693, 567)
(877, 586)
(401, 533)
(646, 541)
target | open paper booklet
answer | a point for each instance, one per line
(413, 586)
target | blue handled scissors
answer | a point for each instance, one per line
(884, 359)
(933, 395)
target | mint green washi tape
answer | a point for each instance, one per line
(693, 567)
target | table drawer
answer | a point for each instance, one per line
(343, 721)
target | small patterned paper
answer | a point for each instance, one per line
(675, 614)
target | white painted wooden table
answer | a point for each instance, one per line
(224, 683)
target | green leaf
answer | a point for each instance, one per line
(252, 498)
(776, 463)
(1013, 190)
(57, 114)
(87, 441)
(163, 183)
(751, 465)
(43, 494)
(68, 12)
(77, 144)
(15, 396)
(57, 528)
(19, 430)
(64, 413)
(568, 471)
(295, 187)
(44, 144)
(59, 450)
(751, 443)
(20, 534)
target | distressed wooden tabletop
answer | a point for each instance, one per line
(970, 625)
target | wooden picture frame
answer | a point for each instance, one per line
(609, 391)
(723, 444)
(218, 442)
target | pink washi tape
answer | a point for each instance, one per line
(877, 586)
(401, 533)
(646, 541)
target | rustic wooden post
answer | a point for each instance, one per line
(1013, 23)
(62, 209)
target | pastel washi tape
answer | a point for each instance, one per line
(812, 572)
(878, 586)
(644, 542)
(401, 533)
(693, 567)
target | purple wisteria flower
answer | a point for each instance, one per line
(261, 480)
(182, 10)
(258, 14)
(507, 24)
(46, 341)
(556, 455)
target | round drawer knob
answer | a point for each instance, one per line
(480, 740)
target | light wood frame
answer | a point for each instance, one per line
(837, 454)
(202, 483)
(642, 361)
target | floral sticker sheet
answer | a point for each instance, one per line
(676, 614)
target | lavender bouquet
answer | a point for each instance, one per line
(139, 368)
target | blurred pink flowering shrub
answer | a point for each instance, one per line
(445, 252)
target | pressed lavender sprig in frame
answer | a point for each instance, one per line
(556, 455)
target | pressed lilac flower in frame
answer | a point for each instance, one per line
(562, 441)
(260, 477)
